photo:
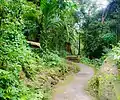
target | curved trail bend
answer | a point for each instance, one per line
(75, 90)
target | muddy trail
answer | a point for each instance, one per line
(75, 89)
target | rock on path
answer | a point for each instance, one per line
(75, 90)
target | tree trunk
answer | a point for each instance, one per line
(79, 45)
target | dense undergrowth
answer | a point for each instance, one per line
(23, 74)
(27, 74)
(30, 73)
(106, 82)
(95, 63)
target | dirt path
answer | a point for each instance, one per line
(75, 90)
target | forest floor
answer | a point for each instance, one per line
(75, 89)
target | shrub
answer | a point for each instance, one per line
(11, 87)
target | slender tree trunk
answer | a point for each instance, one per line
(79, 45)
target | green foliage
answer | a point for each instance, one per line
(109, 38)
(10, 86)
(93, 86)
(14, 49)
(102, 86)
(56, 24)
(23, 74)
(97, 38)
(51, 59)
(115, 54)
(31, 18)
(96, 63)
(15, 55)
(11, 35)
(99, 35)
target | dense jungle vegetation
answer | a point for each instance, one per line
(62, 27)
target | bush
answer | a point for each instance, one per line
(19, 18)
(11, 87)
(96, 63)
(51, 59)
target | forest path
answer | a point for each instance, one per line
(75, 90)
